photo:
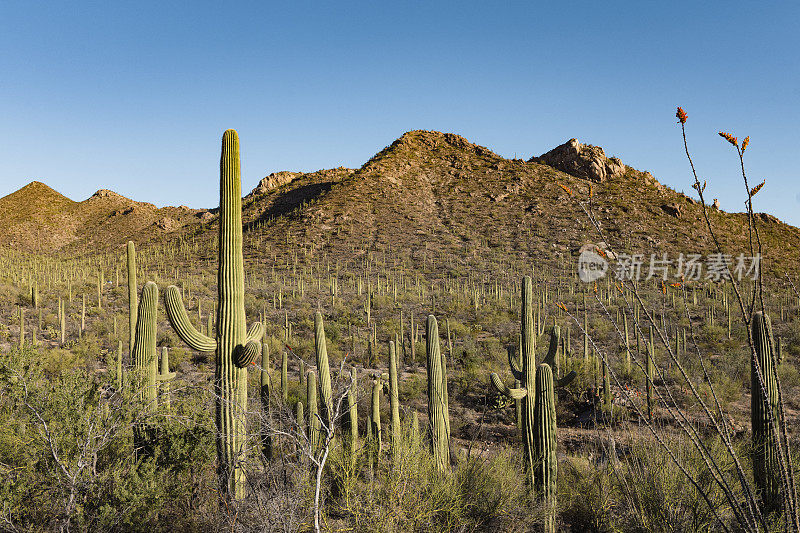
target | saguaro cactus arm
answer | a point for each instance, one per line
(512, 362)
(514, 394)
(550, 359)
(255, 333)
(183, 327)
(245, 355)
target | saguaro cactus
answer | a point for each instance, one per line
(133, 296)
(394, 402)
(650, 374)
(164, 377)
(527, 375)
(375, 418)
(285, 376)
(313, 422)
(145, 357)
(350, 420)
(234, 346)
(763, 405)
(544, 425)
(437, 401)
(266, 386)
(326, 405)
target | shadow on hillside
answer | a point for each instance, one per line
(288, 201)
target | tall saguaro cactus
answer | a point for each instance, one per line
(545, 459)
(133, 296)
(326, 395)
(235, 347)
(394, 403)
(350, 420)
(527, 375)
(763, 405)
(437, 400)
(266, 389)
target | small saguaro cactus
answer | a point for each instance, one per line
(437, 399)
(164, 377)
(235, 347)
(763, 406)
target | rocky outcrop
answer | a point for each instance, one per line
(273, 181)
(673, 209)
(167, 224)
(205, 216)
(582, 161)
(105, 193)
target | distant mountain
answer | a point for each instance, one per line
(37, 218)
(426, 191)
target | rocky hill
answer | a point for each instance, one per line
(437, 191)
(427, 190)
(37, 218)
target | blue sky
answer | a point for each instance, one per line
(134, 96)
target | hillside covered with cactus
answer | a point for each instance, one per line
(426, 190)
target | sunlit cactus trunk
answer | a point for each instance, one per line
(545, 438)
(325, 391)
(133, 296)
(266, 388)
(394, 403)
(437, 399)
(145, 359)
(350, 420)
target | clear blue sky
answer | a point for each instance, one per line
(135, 97)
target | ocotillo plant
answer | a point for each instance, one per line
(764, 406)
(437, 400)
(545, 438)
(234, 346)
